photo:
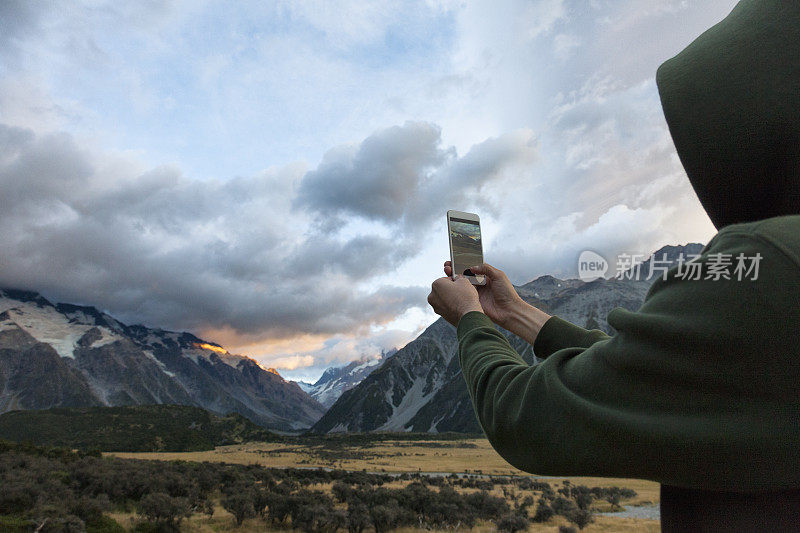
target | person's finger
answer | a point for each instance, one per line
(463, 281)
(438, 282)
(487, 270)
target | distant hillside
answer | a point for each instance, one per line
(65, 355)
(140, 428)
(421, 388)
(338, 379)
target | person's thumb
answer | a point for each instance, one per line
(487, 270)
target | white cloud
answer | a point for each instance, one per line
(540, 16)
(291, 362)
(564, 45)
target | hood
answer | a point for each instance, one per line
(732, 103)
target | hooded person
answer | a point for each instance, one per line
(699, 389)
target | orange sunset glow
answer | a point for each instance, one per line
(211, 347)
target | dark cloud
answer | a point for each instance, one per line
(160, 248)
(360, 257)
(157, 247)
(378, 178)
(402, 175)
(18, 19)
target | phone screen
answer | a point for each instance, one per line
(465, 240)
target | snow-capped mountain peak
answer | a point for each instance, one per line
(69, 355)
(338, 379)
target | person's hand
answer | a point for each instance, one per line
(497, 297)
(453, 299)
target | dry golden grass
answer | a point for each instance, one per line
(476, 457)
(387, 456)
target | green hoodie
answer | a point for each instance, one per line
(700, 387)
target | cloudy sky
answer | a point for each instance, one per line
(274, 175)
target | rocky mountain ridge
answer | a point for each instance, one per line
(67, 355)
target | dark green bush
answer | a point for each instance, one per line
(512, 522)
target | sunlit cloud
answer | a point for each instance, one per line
(292, 362)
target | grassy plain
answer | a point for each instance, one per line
(471, 456)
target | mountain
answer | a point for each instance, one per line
(336, 380)
(421, 388)
(137, 428)
(305, 385)
(67, 355)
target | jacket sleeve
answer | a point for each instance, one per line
(558, 333)
(697, 388)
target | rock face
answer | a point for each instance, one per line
(73, 356)
(421, 388)
(336, 380)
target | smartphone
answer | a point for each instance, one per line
(466, 248)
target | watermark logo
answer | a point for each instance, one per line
(640, 267)
(591, 266)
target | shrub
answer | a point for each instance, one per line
(613, 499)
(312, 517)
(105, 524)
(487, 506)
(208, 508)
(240, 505)
(62, 524)
(358, 518)
(278, 507)
(583, 500)
(526, 502)
(580, 517)
(543, 511)
(89, 509)
(512, 522)
(384, 517)
(260, 501)
(341, 491)
(160, 507)
(16, 498)
(563, 506)
(337, 519)
(14, 524)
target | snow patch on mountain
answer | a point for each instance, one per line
(367, 364)
(158, 363)
(8, 324)
(106, 337)
(336, 380)
(306, 386)
(413, 399)
(47, 325)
